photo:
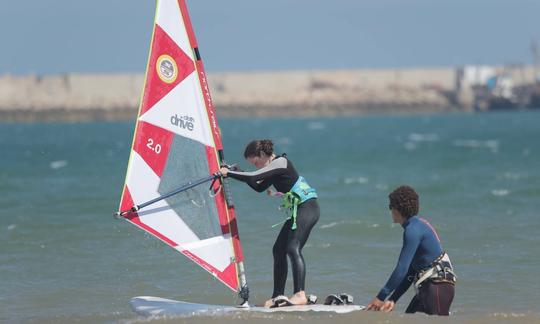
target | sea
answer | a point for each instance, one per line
(65, 259)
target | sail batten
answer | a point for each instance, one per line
(177, 140)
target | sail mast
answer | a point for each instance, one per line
(243, 289)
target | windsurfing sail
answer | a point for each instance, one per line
(177, 140)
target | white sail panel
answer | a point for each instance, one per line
(182, 112)
(144, 184)
(170, 19)
(216, 250)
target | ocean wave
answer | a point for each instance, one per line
(508, 315)
(492, 145)
(55, 165)
(330, 225)
(356, 180)
(319, 246)
(512, 176)
(500, 192)
(410, 146)
(415, 137)
(284, 141)
(339, 223)
(316, 126)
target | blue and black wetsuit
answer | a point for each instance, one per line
(421, 247)
(281, 174)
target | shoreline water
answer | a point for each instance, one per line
(65, 258)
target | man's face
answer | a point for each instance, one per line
(396, 216)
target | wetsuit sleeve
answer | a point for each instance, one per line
(259, 186)
(260, 180)
(411, 241)
(403, 286)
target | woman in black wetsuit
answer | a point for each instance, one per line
(300, 198)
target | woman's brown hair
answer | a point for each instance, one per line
(256, 147)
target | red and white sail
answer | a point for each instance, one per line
(177, 140)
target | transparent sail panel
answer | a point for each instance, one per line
(187, 161)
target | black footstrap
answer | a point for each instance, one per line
(339, 299)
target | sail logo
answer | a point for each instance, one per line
(167, 69)
(185, 122)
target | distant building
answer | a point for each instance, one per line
(485, 87)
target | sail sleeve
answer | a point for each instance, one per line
(177, 140)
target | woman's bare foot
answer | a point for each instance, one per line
(299, 298)
(269, 303)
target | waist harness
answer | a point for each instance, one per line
(299, 193)
(440, 271)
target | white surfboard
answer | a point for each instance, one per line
(156, 306)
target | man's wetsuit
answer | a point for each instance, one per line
(421, 247)
(281, 174)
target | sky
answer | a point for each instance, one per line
(113, 36)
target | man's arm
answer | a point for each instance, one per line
(411, 241)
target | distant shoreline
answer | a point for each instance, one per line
(108, 97)
(108, 115)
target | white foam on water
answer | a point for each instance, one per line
(508, 315)
(512, 176)
(347, 223)
(352, 180)
(500, 192)
(319, 246)
(492, 144)
(283, 141)
(55, 165)
(329, 225)
(11, 227)
(415, 137)
(409, 146)
(316, 126)
(325, 245)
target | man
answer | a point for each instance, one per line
(421, 261)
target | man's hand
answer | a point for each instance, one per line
(375, 304)
(388, 306)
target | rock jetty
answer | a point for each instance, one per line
(80, 97)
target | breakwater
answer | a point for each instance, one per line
(76, 97)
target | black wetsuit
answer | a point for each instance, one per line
(281, 174)
(421, 246)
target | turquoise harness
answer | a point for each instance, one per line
(299, 193)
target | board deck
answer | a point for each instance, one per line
(152, 306)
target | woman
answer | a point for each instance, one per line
(299, 198)
(422, 262)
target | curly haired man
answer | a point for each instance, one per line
(422, 262)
